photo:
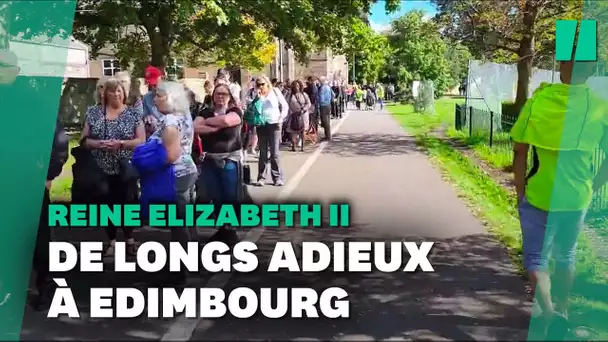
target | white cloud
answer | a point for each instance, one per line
(379, 27)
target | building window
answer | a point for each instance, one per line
(110, 67)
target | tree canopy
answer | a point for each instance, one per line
(239, 33)
(457, 57)
(369, 50)
(519, 31)
(418, 52)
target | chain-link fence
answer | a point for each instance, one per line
(487, 117)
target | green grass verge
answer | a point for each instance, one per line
(496, 208)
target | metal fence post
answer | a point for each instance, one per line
(491, 127)
(471, 121)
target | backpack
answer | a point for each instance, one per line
(253, 114)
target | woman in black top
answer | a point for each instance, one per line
(219, 127)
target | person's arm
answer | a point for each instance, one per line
(601, 177)
(318, 96)
(520, 168)
(230, 119)
(284, 106)
(200, 127)
(171, 141)
(59, 154)
(307, 103)
(140, 137)
(145, 108)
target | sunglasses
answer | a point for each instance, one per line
(260, 84)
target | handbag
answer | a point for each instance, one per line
(296, 122)
(89, 181)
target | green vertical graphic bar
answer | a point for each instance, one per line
(567, 189)
(565, 33)
(586, 49)
(34, 42)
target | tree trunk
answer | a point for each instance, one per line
(160, 49)
(159, 53)
(526, 55)
(524, 73)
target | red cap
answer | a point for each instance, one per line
(152, 75)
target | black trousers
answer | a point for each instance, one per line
(41, 251)
(325, 112)
(121, 192)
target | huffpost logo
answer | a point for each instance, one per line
(565, 34)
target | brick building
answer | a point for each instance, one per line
(321, 63)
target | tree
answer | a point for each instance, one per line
(369, 49)
(457, 56)
(507, 30)
(417, 52)
(237, 32)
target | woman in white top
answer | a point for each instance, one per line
(274, 109)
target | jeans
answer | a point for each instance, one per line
(269, 142)
(185, 194)
(222, 183)
(547, 234)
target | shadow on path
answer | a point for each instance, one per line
(357, 144)
(473, 294)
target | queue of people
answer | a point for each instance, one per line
(166, 146)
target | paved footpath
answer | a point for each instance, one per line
(396, 195)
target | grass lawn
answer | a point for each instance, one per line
(496, 207)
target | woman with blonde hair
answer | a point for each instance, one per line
(111, 131)
(134, 98)
(274, 110)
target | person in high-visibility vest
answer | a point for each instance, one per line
(380, 96)
(359, 93)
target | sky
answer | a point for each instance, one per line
(380, 21)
